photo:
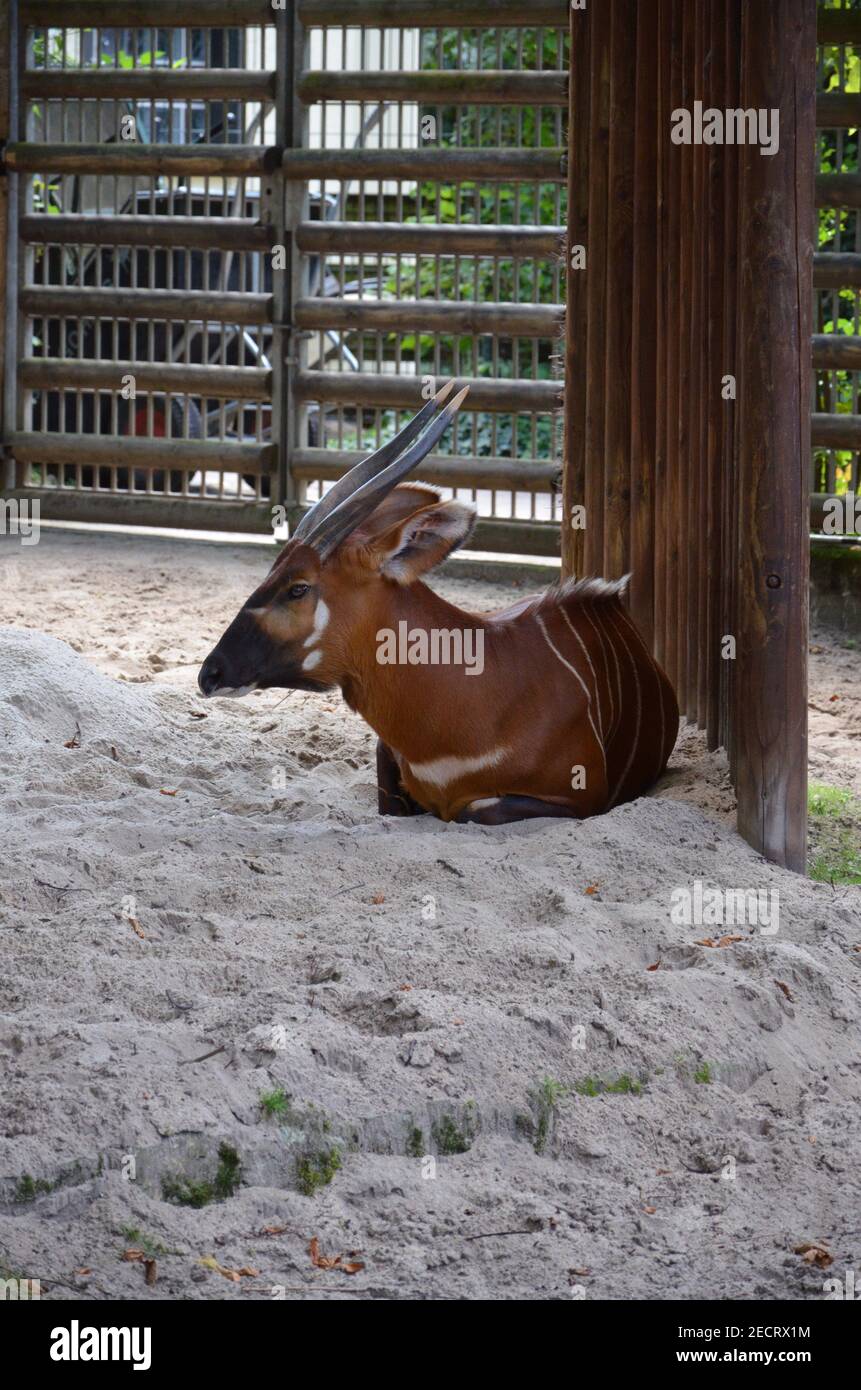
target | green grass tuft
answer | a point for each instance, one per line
(450, 1139)
(199, 1192)
(415, 1143)
(275, 1104)
(623, 1085)
(834, 825)
(317, 1170)
(29, 1188)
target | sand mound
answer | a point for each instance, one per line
(470, 1017)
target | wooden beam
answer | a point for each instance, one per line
(430, 316)
(131, 14)
(835, 26)
(515, 475)
(838, 190)
(836, 270)
(71, 374)
(545, 165)
(135, 451)
(146, 509)
(836, 431)
(405, 392)
(838, 110)
(837, 351)
(188, 160)
(453, 87)
(110, 303)
(405, 14)
(79, 229)
(431, 239)
(148, 84)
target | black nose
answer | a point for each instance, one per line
(211, 677)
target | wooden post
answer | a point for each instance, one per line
(708, 305)
(615, 561)
(715, 405)
(596, 291)
(775, 291)
(6, 469)
(644, 331)
(576, 281)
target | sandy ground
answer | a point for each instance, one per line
(182, 878)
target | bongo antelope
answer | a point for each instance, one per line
(568, 716)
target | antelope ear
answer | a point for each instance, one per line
(413, 547)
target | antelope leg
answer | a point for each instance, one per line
(392, 798)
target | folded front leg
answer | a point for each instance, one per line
(392, 798)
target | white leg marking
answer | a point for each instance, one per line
(482, 805)
(440, 771)
(591, 668)
(576, 673)
(312, 659)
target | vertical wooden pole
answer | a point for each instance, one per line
(698, 505)
(8, 242)
(684, 154)
(662, 334)
(775, 280)
(645, 329)
(576, 281)
(596, 290)
(616, 559)
(292, 120)
(714, 403)
(729, 547)
(671, 261)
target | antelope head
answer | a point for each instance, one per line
(365, 535)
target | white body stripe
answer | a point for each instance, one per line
(576, 634)
(636, 740)
(574, 672)
(441, 771)
(602, 639)
(660, 684)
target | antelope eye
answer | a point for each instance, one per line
(298, 590)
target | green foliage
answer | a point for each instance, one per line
(623, 1085)
(199, 1192)
(415, 1143)
(834, 827)
(275, 1103)
(451, 1138)
(317, 1170)
(29, 1188)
